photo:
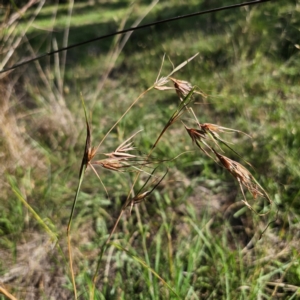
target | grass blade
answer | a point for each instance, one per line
(7, 294)
(84, 164)
(182, 65)
(183, 104)
(144, 264)
(34, 213)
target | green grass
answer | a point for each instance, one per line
(188, 231)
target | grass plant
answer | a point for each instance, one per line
(179, 174)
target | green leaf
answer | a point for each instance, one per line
(144, 264)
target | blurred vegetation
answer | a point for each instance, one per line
(193, 230)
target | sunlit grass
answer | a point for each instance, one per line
(192, 230)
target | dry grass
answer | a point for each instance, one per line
(163, 225)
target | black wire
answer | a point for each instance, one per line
(132, 29)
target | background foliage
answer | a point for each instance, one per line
(193, 230)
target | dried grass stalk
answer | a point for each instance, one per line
(198, 136)
(120, 158)
(244, 178)
(183, 87)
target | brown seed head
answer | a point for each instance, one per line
(117, 158)
(241, 174)
(160, 84)
(91, 153)
(195, 134)
(236, 169)
(211, 127)
(182, 87)
(110, 164)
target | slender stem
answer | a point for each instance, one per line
(75, 200)
(37, 217)
(7, 294)
(125, 205)
(124, 114)
(68, 233)
(71, 265)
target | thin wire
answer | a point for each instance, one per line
(132, 29)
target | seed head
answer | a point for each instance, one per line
(213, 129)
(120, 158)
(110, 164)
(195, 134)
(182, 87)
(242, 175)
